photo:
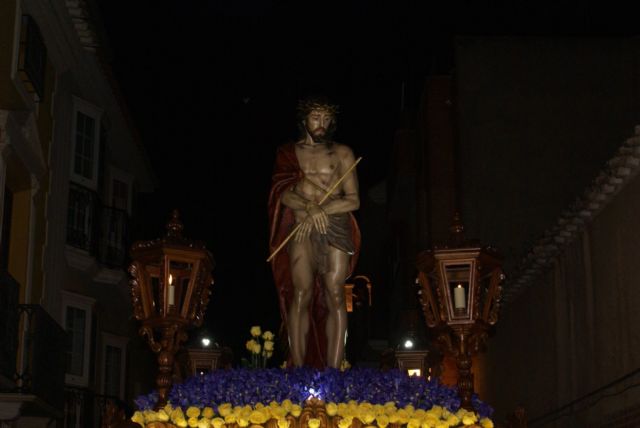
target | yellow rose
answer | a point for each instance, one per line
(243, 422)
(332, 409)
(250, 345)
(283, 423)
(286, 405)
(182, 423)
(258, 417)
(382, 420)
(204, 423)
(436, 411)
(267, 335)
(168, 408)
(453, 420)
(162, 415)
(486, 423)
(342, 409)
(225, 409)
(469, 419)
(217, 422)
(345, 422)
(413, 423)
(256, 348)
(138, 418)
(403, 416)
(296, 410)
(192, 422)
(177, 414)
(230, 418)
(256, 331)
(367, 417)
(278, 412)
(429, 422)
(268, 345)
(314, 423)
(207, 412)
(442, 425)
(193, 412)
(150, 416)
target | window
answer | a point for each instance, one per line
(81, 213)
(76, 319)
(32, 58)
(114, 351)
(86, 144)
(120, 187)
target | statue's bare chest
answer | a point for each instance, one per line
(318, 163)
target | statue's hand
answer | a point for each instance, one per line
(318, 217)
(304, 230)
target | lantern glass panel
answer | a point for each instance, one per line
(483, 291)
(458, 279)
(156, 294)
(181, 274)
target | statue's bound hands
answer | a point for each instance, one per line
(318, 217)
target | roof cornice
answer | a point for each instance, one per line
(617, 172)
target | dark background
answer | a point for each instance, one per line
(212, 88)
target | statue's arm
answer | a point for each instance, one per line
(293, 200)
(350, 201)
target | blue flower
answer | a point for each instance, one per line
(244, 386)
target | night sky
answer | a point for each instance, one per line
(212, 88)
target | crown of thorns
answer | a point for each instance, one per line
(307, 106)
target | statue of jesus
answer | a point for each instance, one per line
(311, 270)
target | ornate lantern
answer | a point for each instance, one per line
(413, 362)
(460, 297)
(170, 287)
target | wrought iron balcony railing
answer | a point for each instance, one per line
(84, 408)
(9, 321)
(38, 359)
(100, 230)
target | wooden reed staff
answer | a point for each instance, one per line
(324, 198)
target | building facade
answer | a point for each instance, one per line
(70, 166)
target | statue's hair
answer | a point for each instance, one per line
(307, 105)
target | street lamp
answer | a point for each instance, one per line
(460, 299)
(170, 287)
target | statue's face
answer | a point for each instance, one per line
(317, 123)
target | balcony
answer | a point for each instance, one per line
(36, 359)
(9, 321)
(84, 408)
(100, 231)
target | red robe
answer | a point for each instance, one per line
(286, 174)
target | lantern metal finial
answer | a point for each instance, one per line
(174, 226)
(456, 230)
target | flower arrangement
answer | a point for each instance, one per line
(242, 397)
(260, 346)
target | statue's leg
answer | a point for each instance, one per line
(302, 274)
(338, 266)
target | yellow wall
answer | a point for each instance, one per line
(19, 245)
(45, 130)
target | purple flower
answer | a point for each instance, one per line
(245, 386)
